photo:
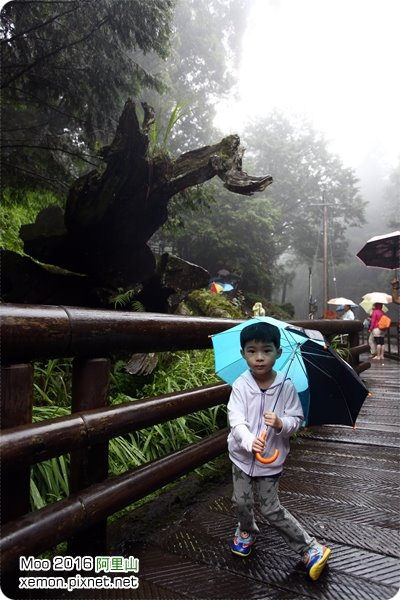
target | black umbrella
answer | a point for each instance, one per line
(336, 391)
(382, 251)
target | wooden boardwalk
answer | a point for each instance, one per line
(341, 484)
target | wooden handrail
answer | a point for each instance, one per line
(29, 444)
(41, 332)
(49, 525)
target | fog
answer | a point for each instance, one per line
(335, 62)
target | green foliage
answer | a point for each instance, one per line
(203, 302)
(176, 371)
(159, 134)
(180, 371)
(236, 233)
(392, 199)
(200, 67)
(52, 384)
(67, 71)
(49, 479)
(340, 343)
(283, 312)
(125, 298)
(19, 207)
(185, 207)
(304, 170)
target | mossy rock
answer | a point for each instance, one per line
(205, 303)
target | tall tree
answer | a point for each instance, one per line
(236, 235)
(67, 70)
(305, 175)
(392, 199)
(201, 67)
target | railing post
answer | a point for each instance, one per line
(354, 341)
(16, 409)
(388, 340)
(90, 380)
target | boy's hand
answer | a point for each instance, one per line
(272, 419)
(258, 444)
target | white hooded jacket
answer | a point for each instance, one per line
(246, 407)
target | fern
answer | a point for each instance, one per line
(159, 139)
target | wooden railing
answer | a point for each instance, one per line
(392, 341)
(32, 333)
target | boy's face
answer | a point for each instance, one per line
(260, 357)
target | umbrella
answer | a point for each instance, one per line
(218, 287)
(367, 306)
(380, 297)
(342, 302)
(382, 251)
(227, 287)
(330, 390)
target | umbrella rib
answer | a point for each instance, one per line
(291, 358)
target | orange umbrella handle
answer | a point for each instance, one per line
(269, 459)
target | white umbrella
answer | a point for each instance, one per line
(343, 301)
(380, 297)
(367, 306)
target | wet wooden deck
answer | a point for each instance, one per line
(341, 484)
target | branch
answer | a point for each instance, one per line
(77, 155)
(223, 159)
(51, 106)
(27, 31)
(56, 51)
(36, 175)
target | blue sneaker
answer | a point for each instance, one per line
(315, 560)
(242, 542)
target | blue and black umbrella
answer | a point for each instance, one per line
(330, 390)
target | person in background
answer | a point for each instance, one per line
(371, 340)
(379, 340)
(258, 310)
(348, 314)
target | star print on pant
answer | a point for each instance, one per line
(279, 517)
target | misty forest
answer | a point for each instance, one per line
(117, 188)
(119, 191)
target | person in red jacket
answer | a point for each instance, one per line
(379, 339)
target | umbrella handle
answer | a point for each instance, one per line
(269, 459)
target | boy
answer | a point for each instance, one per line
(263, 397)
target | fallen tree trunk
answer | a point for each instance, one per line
(111, 215)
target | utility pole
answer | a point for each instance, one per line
(325, 233)
(325, 278)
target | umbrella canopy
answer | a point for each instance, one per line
(342, 302)
(217, 287)
(330, 390)
(227, 287)
(367, 306)
(380, 297)
(382, 251)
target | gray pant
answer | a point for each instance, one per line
(280, 518)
